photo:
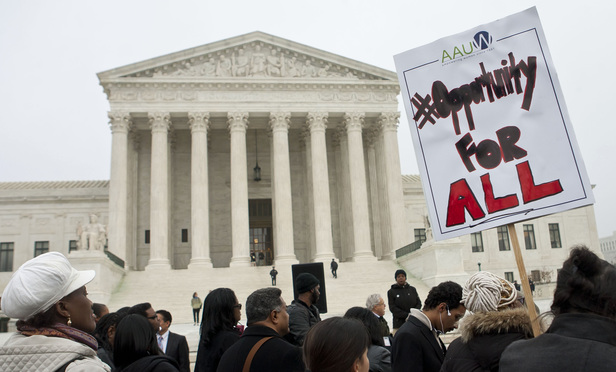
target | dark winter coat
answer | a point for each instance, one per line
(301, 319)
(152, 363)
(208, 357)
(415, 349)
(401, 299)
(379, 358)
(574, 342)
(275, 355)
(484, 337)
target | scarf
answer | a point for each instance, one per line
(62, 331)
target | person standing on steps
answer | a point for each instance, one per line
(195, 303)
(273, 274)
(334, 267)
(402, 297)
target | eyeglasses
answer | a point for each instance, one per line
(238, 306)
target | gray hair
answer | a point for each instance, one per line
(373, 300)
(261, 303)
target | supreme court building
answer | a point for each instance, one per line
(254, 148)
(257, 150)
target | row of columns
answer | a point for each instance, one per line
(358, 211)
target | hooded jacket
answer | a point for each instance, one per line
(484, 337)
(41, 354)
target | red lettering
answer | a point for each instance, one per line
(497, 204)
(530, 191)
(461, 198)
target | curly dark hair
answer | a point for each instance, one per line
(447, 292)
(585, 284)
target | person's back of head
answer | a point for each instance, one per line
(134, 339)
(99, 310)
(585, 284)
(336, 345)
(218, 313)
(102, 331)
(140, 309)
(261, 303)
(369, 321)
(448, 292)
(484, 292)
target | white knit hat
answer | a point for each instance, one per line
(485, 291)
(41, 282)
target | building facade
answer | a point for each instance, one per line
(191, 130)
(257, 150)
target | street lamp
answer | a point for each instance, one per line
(479, 265)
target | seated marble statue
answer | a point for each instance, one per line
(92, 236)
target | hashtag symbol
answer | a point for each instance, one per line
(425, 109)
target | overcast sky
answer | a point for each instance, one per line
(54, 113)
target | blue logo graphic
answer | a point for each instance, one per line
(482, 40)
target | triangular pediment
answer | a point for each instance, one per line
(251, 56)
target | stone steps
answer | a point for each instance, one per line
(172, 289)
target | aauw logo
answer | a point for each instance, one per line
(482, 40)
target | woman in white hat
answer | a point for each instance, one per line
(495, 320)
(49, 299)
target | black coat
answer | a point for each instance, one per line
(152, 363)
(574, 342)
(415, 348)
(177, 348)
(484, 337)
(275, 355)
(401, 299)
(208, 357)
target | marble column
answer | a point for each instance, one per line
(283, 207)
(317, 123)
(238, 122)
(384, 215)
(359, 193)
(120, 124)
(160, 123)
(397, 218)
(372, 136)
(344, 196)
(199, 191)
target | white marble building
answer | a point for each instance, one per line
(191, 129)
(608, 247)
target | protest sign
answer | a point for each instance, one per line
(490, 128)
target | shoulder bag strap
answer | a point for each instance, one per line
(252, 353)
(63, 367)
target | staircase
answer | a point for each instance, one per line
(172, 290)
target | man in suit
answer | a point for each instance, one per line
(416, 345)
(376, 304)
(172, 344)
(268, 321)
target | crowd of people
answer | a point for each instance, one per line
(59, 329)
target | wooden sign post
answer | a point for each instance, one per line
(528, 294)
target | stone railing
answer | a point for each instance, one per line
(408, 248)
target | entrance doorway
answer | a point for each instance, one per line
(261, 239)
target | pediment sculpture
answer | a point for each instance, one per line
(255, 60)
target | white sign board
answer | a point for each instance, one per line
(490, 128)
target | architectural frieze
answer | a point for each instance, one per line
(254, 60)
(135, 95)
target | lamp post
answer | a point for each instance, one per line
(257, 168)
(479, 265)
